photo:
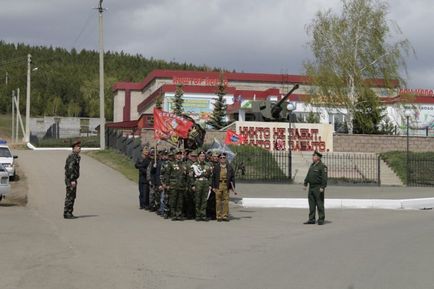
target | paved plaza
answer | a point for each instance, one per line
(115, 245)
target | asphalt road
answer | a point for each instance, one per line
(115, 245)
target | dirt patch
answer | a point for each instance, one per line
(19, 190)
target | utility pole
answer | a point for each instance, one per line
(13, 117)
(7, 78)
(101, 77)
(18, 112)
(29, 63)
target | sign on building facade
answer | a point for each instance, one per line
(275, 135)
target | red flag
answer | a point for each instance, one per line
(167, 125)
(233, 138)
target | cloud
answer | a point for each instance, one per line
(246, 35)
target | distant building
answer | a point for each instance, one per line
(134, 102)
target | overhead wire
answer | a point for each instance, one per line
(83, 28)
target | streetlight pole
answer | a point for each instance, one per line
(407, 114)
(408, 151)
(290, 107)
(29, 63)
(101, 78)
(289, 147)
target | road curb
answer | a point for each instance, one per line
(302, 203)
(32, 147)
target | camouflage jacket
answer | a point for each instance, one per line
(175, 174)
(72, 167)
(201, 171)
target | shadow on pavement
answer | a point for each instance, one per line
(86, 216)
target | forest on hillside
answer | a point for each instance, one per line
(66, 82)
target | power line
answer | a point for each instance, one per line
(13, 59)
(12, 62)
(89, 17)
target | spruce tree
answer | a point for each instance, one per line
(178, 100)
(159, 101)
(217, 119)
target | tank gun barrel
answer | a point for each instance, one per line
(277, 109)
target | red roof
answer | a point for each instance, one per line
(123, 124)
(229, 76)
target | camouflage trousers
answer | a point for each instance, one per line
(201, 194)
(151, 197)
(156, 198)
(164, 203)
(71, 193)
(176, 199)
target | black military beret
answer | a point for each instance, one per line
(317, 153)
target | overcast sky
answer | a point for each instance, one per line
(247, 35)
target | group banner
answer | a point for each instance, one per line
(168, 126)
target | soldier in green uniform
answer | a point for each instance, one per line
(72, 173)
(201, 172)
(165, 206)
(175, 182)
(317, 180)
(189, 196)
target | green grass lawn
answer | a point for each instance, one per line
(259, 164)
(421, 166)
(116, 161)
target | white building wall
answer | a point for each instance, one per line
(136, 99)
(118, 105)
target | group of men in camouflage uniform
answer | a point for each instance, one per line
(179, 184)
(187, 184)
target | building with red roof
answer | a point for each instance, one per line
(134, 102)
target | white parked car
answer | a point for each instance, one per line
(5, 187)
(7, 159)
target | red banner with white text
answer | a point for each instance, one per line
(168, 126)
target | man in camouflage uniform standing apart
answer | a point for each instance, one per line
(175, 182)
(72, 173)
(317, 180)
(201, 172)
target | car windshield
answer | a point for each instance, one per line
(5, 153)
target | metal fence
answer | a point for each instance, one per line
(353, 168)
(258, 165)
(129, 146)
(420, 172)
(261, 166)
(343, 168)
